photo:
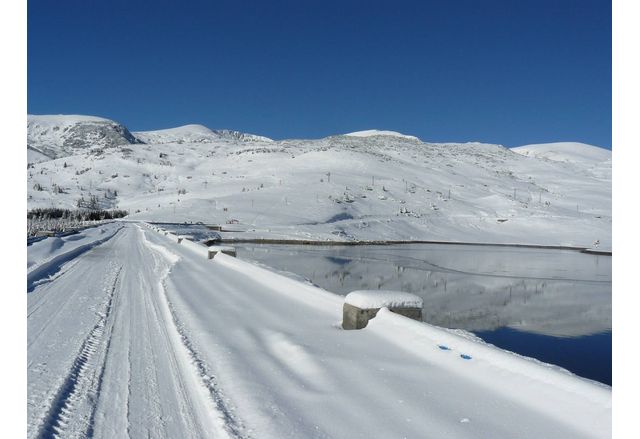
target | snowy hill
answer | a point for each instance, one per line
(371, 133)
(597, 160)
(56, 136)
(195, 134)
(572, 152)
(345, 187)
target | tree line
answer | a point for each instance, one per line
(75, 215)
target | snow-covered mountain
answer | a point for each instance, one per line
(371, 133)
(56, 136)
(572, 152)
(196, 134)
(597, 160)
(367, 185)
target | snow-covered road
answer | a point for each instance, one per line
(142, 337)
(105, 359)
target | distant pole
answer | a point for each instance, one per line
(328, 177)
(405, 186)
(540, 198)
(252, 203)
(449, 194)
(373, 180)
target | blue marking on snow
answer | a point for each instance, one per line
(465, 356)
(444, 348)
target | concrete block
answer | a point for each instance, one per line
(214, 249)
(362, 306)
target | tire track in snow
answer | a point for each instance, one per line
(79, 382)
(230, 424)
(187, 402)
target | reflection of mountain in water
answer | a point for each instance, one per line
(552, 292)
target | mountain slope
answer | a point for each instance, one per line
(371, 133)
(56, 136)
(345, 187)
(573, 152)
(195, 134)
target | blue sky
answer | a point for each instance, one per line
(507, 72)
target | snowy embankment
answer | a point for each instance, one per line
(307, 377)
(46, 256)
(146, 337)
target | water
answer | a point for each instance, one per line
(553, 305)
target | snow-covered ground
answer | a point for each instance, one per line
(373, 185)
(140, 336)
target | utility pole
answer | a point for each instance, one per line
(328, 177)
(373, 181)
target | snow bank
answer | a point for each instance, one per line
(586, 403)
(294, 289)
(367, 299)
(184, 240)
(45, 257)
(308, 372)
(44, 250)
(195, 247)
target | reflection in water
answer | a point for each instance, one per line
(552, 292)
